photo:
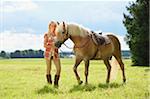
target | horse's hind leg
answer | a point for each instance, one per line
(117, 55)
(121, 66)
(106, 61)
(86, 71)
(77, 62)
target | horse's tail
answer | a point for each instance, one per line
(114, 68)
(117, 52)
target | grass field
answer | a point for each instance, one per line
(25, 78)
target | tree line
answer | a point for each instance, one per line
(30, 53)
(39, 54)
(23, 54)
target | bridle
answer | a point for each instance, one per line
(75, 46)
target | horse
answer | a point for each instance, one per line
(85, 49)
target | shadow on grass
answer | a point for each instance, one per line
(87, 87)
(48, 89)
(111, 85)
(147, 70)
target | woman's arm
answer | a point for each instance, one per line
(45, 40)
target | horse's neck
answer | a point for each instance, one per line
(75, 30)
(77, 34)
(77, 40)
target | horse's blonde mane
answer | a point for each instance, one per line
(77, 29)
(73, 29)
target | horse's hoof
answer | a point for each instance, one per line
(56, 86)
(80, 82)
(124, 80)
(107, 82)
(50, 83)
(86, 83)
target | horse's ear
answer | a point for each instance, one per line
(57, 22)
(64, 26)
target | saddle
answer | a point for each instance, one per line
(98, 39)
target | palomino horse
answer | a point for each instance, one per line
(85, 49)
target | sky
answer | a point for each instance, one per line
(24, 22)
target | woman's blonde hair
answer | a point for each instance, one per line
(52, 22)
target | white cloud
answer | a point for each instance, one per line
(11, 41)
(17, 5)
(20, 41)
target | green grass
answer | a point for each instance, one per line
(25, 78)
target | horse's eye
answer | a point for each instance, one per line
(63, 32)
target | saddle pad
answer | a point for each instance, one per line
(99, 39)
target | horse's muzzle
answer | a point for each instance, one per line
(58, 44)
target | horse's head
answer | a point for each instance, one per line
(61, 34)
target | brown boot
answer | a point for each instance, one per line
(49, 80)
(56, 79)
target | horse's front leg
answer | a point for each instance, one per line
(86, 71)
(77, 62)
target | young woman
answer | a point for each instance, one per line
(51, 53)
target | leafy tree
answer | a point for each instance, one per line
(3, 54)
(16, 54)
(137, 25)
(30, 53)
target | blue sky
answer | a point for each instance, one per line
(23, 22)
